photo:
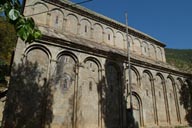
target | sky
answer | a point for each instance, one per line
(169, 21)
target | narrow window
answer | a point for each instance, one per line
(85, 28)
(109, 37)
(57, 19)
(159, 94)
(90, 86)
(145, 49)
(66, 59)
(147, 93)
(90, 65)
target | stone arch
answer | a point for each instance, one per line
(152, 51)
(119, 40)
(131, 43)
(38, 46)
(57, 19)
(181, 82)
(40, 11)
(137, 108)
(137, 45)
(159, 54)
(145, 48)
(97, 62)
(72, 23)
(66, 64)
(179, 85)
(149, 73)
(42, 61)
(69, 53)
(65, 81)
(172, 100)
(148, 107)
(85, 28)
(160, 95)
(98, 33)
(88, 94)
(109, 36)
(135, 78)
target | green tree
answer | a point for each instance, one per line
(13, 24)
(25, 27)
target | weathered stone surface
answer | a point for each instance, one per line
(78, 72)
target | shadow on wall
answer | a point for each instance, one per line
(131, 122)
(111, 90)
(29, 103)
(186, 100)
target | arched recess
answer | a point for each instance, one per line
(85, 28)
(131, 43)
(64, 88)
(119, 40)
(137, 108)
(72, 24)
(28, 11)
(148, 99)
(179, 84)
(135, 78)
(159, 54)
(89, 113)
(56, 19)
(98, 33)
(145, 48)
(42, 61)
(137, 46)
(160, 95)
(40, 11)
(112, 100)
(97, 62)
(172, 102)
(68, 53)
(28, 88)
(152, 51)
(109, 36)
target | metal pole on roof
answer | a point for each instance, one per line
(129, 89)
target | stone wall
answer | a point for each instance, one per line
(76, 76)
(66, 21)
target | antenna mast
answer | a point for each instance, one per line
(129, 89)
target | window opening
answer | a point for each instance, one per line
(65, 84)
(66, 59)
(145, 49)
(90, 65)
(85, 28)
(57, 19)
(109, 37)
(90, 86)
(147, 93)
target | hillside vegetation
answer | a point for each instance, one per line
(182, 59)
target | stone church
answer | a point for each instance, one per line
(76, 75)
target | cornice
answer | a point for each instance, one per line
(120, 56)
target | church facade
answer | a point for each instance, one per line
(76, 75)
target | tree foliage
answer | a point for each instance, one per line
(182, 59)
(25, 27)
(8, 41)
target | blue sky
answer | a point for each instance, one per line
(169, 21)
